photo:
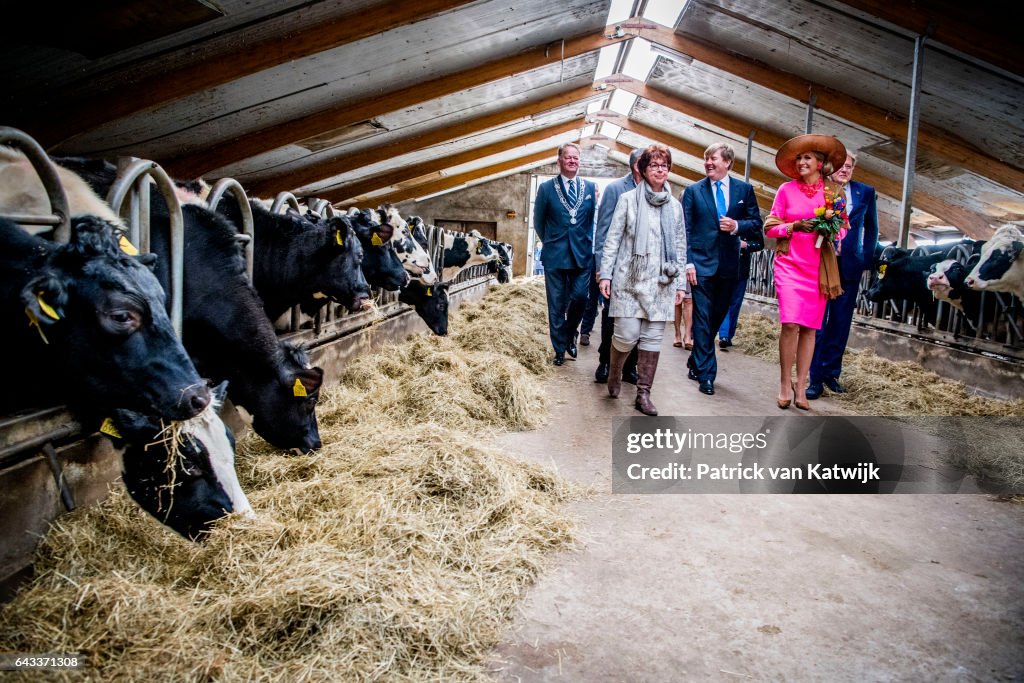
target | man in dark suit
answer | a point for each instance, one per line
(719, 212)
(563, 218)
(856, 253)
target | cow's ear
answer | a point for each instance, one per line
(45, 298)
(384, 232)
(128, 425)
(341, 227)
(1016, 247)
(219, 392)
(307, 381)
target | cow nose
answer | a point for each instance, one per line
(195, 399)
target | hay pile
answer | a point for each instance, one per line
(397, 552)
(904, 389)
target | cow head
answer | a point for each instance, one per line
(101, 314)
(430, 302)
(1001, 267)
(284, 410)
(412, 254)
(342, 278)
(946, 280)
(183, 474)
(381, 266)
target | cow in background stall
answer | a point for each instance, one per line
(1000, 267)
(225, 330)
(463, 250)
(183, 474)
(502, 266)
(901, 276)
(86, 324)
(414, 257)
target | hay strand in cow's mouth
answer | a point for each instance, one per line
(398, 551)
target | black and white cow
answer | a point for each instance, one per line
(87, 326)
(463, 250)
(225, 330)
(502, 266)
(183, 474)
(430, 302)
(1001, 266)
(412, 254)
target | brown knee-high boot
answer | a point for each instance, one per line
(618, 360)
(646, 366)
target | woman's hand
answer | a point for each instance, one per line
(803, 226)
(679, 297)
(606, 288)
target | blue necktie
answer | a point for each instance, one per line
(720, 199)
(571, 192)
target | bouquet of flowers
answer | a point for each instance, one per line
(829, 219)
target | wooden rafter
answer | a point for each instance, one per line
(404, 173)
(250, 144)
(348, 162)
(195, 70)
(930, 138)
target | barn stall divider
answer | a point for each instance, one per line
(48, 466)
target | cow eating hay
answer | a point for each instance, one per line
(399, 550)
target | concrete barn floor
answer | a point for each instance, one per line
(776, 587)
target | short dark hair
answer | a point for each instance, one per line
(650, 153)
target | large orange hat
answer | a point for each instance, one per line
(828, 145)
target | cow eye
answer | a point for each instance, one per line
(122, 321)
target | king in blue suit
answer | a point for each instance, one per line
(855, 254)
(715, 223)
(563, 218)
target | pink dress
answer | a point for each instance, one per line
(796, 273)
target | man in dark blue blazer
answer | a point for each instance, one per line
(563, 218)
(855, 256)
(719, 212)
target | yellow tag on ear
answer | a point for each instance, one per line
(338, 239)
(109, 429)
(430, 291)
(127, 247)
(33, 321)
(298, 389)
(881, 270)
(46, 308)
(376, 240)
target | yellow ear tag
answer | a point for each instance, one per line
(109, 429)
(376, 240)
(430, 291)
(298, 389)
(46, 308)
(127, 247)
(33, 321)
(881, 270)
(338, 239)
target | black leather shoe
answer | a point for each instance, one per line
(834, 386)
(559, 358)
(572, 350)
(724, 343)
(690, 374)
(707, 387)
(601, 375)
(629, 375)
(584, 339)
(814, 390)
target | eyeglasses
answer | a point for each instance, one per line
(658, 167)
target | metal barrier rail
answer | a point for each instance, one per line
(999, 333)
(247, 236)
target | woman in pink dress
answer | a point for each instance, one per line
(806, 275)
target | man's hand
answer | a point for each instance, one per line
(726, 224)
(606, 288)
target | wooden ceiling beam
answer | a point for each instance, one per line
(442, 184)
(203, 160)
(411, 143)
(974, 225)
(195, 69)
(985, 35)
(404, 173)
(930, 138)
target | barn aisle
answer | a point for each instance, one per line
(758, 587)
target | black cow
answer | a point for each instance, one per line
(87, 326)
(464, 250)
(183, 474)
(225, 329)
(381, 265)
(431, 303)
(900, 276)
(299, 261)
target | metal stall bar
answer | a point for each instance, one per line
(248, 236)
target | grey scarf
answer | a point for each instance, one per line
(641, 255)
